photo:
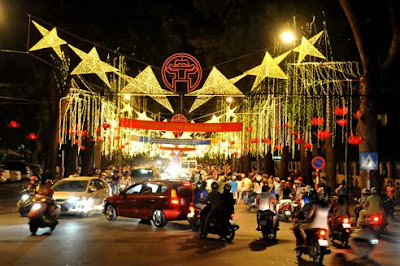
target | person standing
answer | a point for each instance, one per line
(233, 184)
(239, 188)
(247, 188)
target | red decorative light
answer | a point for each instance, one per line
(13, 124)
(122, 147)
(278, 147)
(299, 141)
(341, 111)
(354, 140)
(82, 148)
(105, 125)
(76, 141)
(357, 115)
(317, 121)
(232, 142)
(223, 140)
(308, 146)
(236, 154)
(277, 126)
(245, 142)
(341, 122)
(294, 133)
(32, 136)
(98, 129)
(117, 137)
(99, 138)
(255, 140)
(181, 68)
(249, 129)
(323, 134)
(266, 141)
(288, 124)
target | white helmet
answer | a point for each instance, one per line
(258, 178)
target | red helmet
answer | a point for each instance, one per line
(300, 178)
(33, 178)
(287, 184)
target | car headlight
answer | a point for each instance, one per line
(36, 206)
(73, 200)
(25, 197)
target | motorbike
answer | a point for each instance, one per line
(376, 222)
(341, 231)
(388, 206)
(285, 209)
(38, 214)
(316, 245)
(226, 231)
(24, 204)
(251, 202)
(267, 227)
(194, 218)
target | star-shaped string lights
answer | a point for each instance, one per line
(267, 68)
(50, 40)
(147, 84)
(127, 108)
(230, 113)
(307, 48)
(143, 116)
(215, 119)
(215, 84)
(91, 64)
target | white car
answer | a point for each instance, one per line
(81, 195)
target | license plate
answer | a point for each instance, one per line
(323, 242)
(263, 222)
(346, 225)
(288, 213)
(190, 215)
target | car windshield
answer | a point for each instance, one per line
(71, 186)
(142, 172)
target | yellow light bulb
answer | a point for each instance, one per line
(287, 37)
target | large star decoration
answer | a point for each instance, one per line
(50, 40)
(127, 108)
(307, 48)
(143, 116)
(91, 64)
(215, 119)
(267, 68)
(230, 113)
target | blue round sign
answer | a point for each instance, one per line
(318, 162)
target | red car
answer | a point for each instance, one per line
(159, 201)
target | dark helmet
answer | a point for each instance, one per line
(313, 195)
(214, 185)
(49, 183)
(227, 187)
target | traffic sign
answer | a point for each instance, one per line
(318, 162)
(369, 161)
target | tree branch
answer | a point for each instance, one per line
(394, 50)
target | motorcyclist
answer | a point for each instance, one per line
(374, 204)
(214, 199)
(257, 189)
(313, 215)
(339, 210)
(363, 244)
(285, 196)
(365, 193)
(266, 202)
(33, 185)
(200, 195)
(228, 203)
(48, 193)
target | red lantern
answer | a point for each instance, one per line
(287, 124)
(245, 142)
(249, 129)
(323, 134)
(266, 141)
(341, 111)
(232, 142)
(341, 122)
(122, 147)
(223, 140)
(317, 121)
(299, 141)
(99, 138)
(354, 140)
(72, 131)
(82, 148)
(357, 115)
(255, 140)
(278, 147)
(277, 126)
(13, 124)
(236, 154)
(117, 137)
(294, 133)
(98, 129)
(308, 146)
(76, 141)
(106, 125)
(32, 136)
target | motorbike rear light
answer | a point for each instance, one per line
(346, 220)
(174, 197)
(322, 232)
(191, 209)
(375, 218)
(187, 184)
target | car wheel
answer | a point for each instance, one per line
(111, 213)
(158, 218)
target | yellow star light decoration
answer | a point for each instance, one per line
(307, 48)
(127, 108)
(268, 68)
(147, 84)
(215, 84)
(91, 64)
(50, 40)
(280, 58)
(230, 113)
(143, 116)
(215, 119)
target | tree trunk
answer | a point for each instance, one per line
(284, 163)
(305, 165)
(87, 157)
(269, 164)
(330, 167)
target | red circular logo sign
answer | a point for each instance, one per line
(178, 118)
(181, 70)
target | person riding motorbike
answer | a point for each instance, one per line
(365, 193)
(48, 192)
(374, 204)
(266, 202)
(339, 210)
(312, 215)
(228, 204)
(214, 199)
(33, 185)
(363, 243)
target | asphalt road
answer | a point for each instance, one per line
(96, 241)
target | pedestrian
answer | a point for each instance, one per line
(239, 189)
(233, 184)
(247, 188)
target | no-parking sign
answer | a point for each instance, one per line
(318, 162)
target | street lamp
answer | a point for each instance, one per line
(127, 97)
(229, 100)
(287, 37)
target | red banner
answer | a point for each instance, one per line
(180, 127)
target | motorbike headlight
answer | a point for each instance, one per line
(25, 197)
(36, 206)
(73, 200)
